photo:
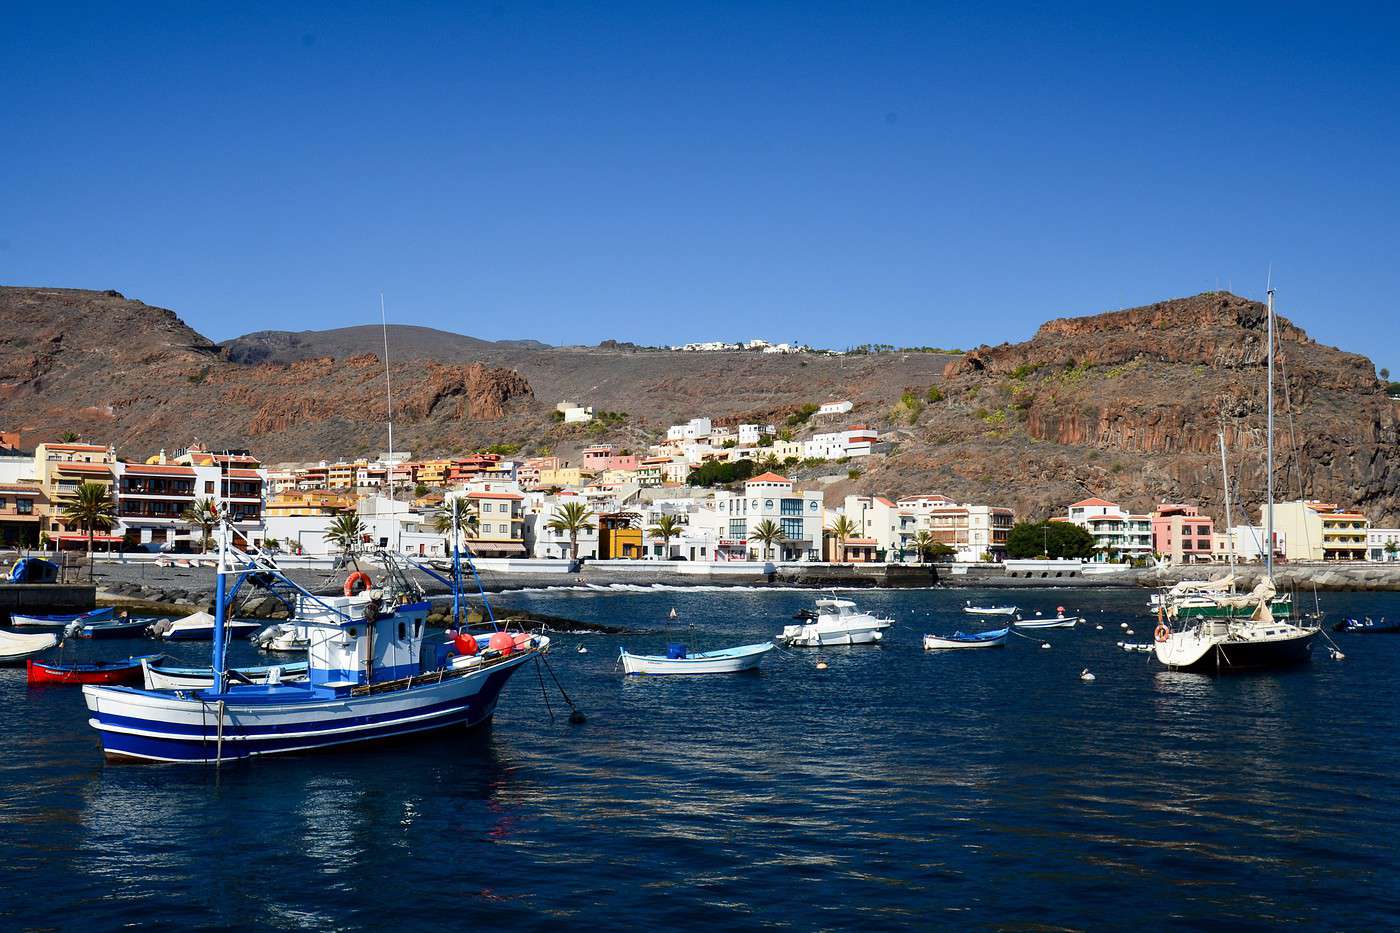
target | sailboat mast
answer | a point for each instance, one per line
(1269, 457)
(389, 397)
(1225, 481)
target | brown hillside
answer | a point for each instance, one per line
(1127, 405)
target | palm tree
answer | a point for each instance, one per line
(768, 534)
(841, 529)
(570, 519)
(69, 437)
(666, 528)
(205, 514)
(346, 531)
(454, 517)
(923, 544)
(92, 510)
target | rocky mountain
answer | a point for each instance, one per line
(1129, 405)
(1125, 405)
(113, 369)
(407, 340)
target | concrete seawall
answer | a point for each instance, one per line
(147, 587)
(45, 598)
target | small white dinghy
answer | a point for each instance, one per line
(16, 647)
(995, 639)
(1049, 622)
(283, 637)
(679, 661)
(989, 610)
(158, 677)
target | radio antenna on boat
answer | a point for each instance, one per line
(389, 398)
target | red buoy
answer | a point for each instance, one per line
(504, 642)
(465, 643)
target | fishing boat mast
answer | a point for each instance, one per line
(389, 398)
(220, 596)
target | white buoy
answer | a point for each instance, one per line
(582, 650)
(821, 665)
(1122, 625)
(1045, 644)
(1098, 628)
(1085, 676)
(1337, 655)
(1128, 632)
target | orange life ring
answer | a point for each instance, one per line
(1161, 632)
(358, 577)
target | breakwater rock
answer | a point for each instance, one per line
(1300, 576)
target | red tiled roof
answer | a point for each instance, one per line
(494, 495)
(93, 448)
(245, 474)
(84, 467)
(861, 542)
(769, 477)
(1092, 501)
(21, 488)
(883, 501)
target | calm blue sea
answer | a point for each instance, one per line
(894, 789)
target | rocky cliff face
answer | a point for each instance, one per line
(1128, 406)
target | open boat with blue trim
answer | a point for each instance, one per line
(63, 620)
(679, 661)
(125, 671)
(368, 678)
(992, 639)
(157, 676)
(111, 628)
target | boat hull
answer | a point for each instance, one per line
(997, 611)
(1047, 623)
(148, 726)
(102, 630)
(736, 659)
(206, 633)
(20, 620)
(155, 677)
(936, 643)
(817, 638)
(123, 672)
(18, 647)
(1212, 655)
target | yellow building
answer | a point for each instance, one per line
(291, 503)
(59, 469)
(499, 526)
(620, 537)
(1313, 530)
(562, 477)
(342, 475)
(433, 472)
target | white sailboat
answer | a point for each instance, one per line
(1231, 642)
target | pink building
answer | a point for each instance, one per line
(1180, 532)
(595, 458)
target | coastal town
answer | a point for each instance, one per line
(708, 491)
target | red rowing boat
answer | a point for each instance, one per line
(127, 671)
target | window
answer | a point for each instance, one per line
(208, 485)
(792, 529)
(1186, 544)
(3, 503)
(24, 506)
(737, 528)
(792, 507)
(812, 505)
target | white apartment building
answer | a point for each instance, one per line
(1116, 533)
(692, 430)
(1245, 543)
(973, 531)
(1383, 544)
(770, 497)
(835, 408)
(575, 414)
(877, 518)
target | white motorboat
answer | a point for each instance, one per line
(834, 622)
(989, 610)
(17, 647)
(678, 661)
(1048, 622)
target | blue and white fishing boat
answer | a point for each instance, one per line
(23, 620)
(368, 679)
(992, 639)
(679, 661)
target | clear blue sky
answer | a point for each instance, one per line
(659, 172)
